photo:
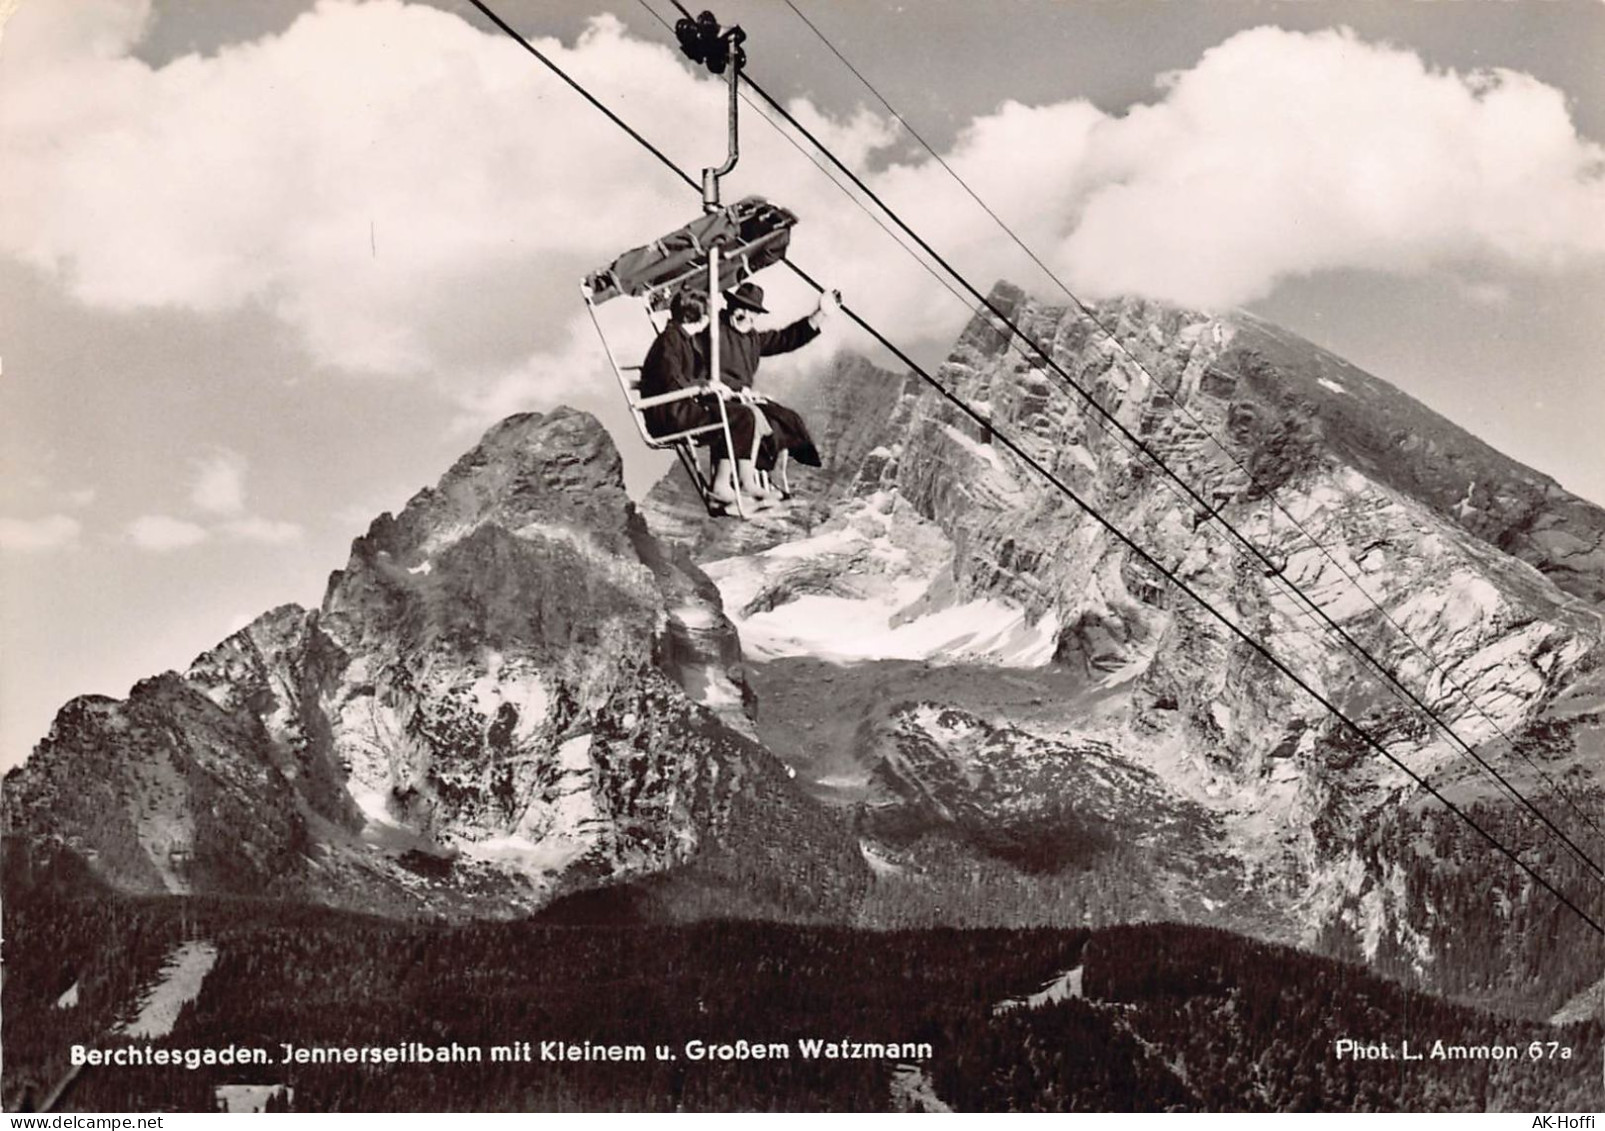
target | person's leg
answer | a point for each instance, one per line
(744, 439)
(723, 488)
(760, 429)
(751, 483)
(778, 476)
(750, 486)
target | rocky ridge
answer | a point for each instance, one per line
(1471, 578)
(521, 688)
(511, 691)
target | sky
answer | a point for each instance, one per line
(268, 267)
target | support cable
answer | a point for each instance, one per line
(1264, 491)
(1269, 566)
(1086, 507)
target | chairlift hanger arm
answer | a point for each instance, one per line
(706, 43)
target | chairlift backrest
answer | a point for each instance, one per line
(750, 234)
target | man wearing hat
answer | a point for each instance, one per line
(741, 344)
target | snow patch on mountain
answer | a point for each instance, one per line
(873, 585)
(1066, 986)
(1587, 1004)
(556, 829)
(839, 628)
(879, 862)
(503, 684)
(374, 805)
(982, 452)
(372, 741)
(179, 984)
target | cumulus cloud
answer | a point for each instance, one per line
(1282, 154)
(37, 534)
(1278, 155)
(393, 183)
(162, 533)
(220, 483)
(416, 196)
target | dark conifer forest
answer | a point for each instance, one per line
(1157, 1017)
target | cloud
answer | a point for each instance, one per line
(414, 196)
(422, 212)
(391, 182)
(219, 492)
(31, 535)
(1284, 154)
(1279, 155)
(576, 370)
(92, 29)
(852, 141)
(220, 483)
(265, 531)
(162, 533)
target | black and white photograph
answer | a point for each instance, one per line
(802, 555)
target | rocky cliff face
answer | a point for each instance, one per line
(1471, 579)
(512, 690)
(957, 697)
(1289, 453)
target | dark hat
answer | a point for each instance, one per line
(749, 295)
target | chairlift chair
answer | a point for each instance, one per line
(710, 255)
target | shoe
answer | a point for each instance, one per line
(757, 492)
(720, 509)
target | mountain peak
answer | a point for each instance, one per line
(515, 691)
(510, 691)
(1292, 481)
(541, 466)
(555, 468)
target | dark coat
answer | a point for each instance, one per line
(739, 353)
(787, 431)
(677, 360)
